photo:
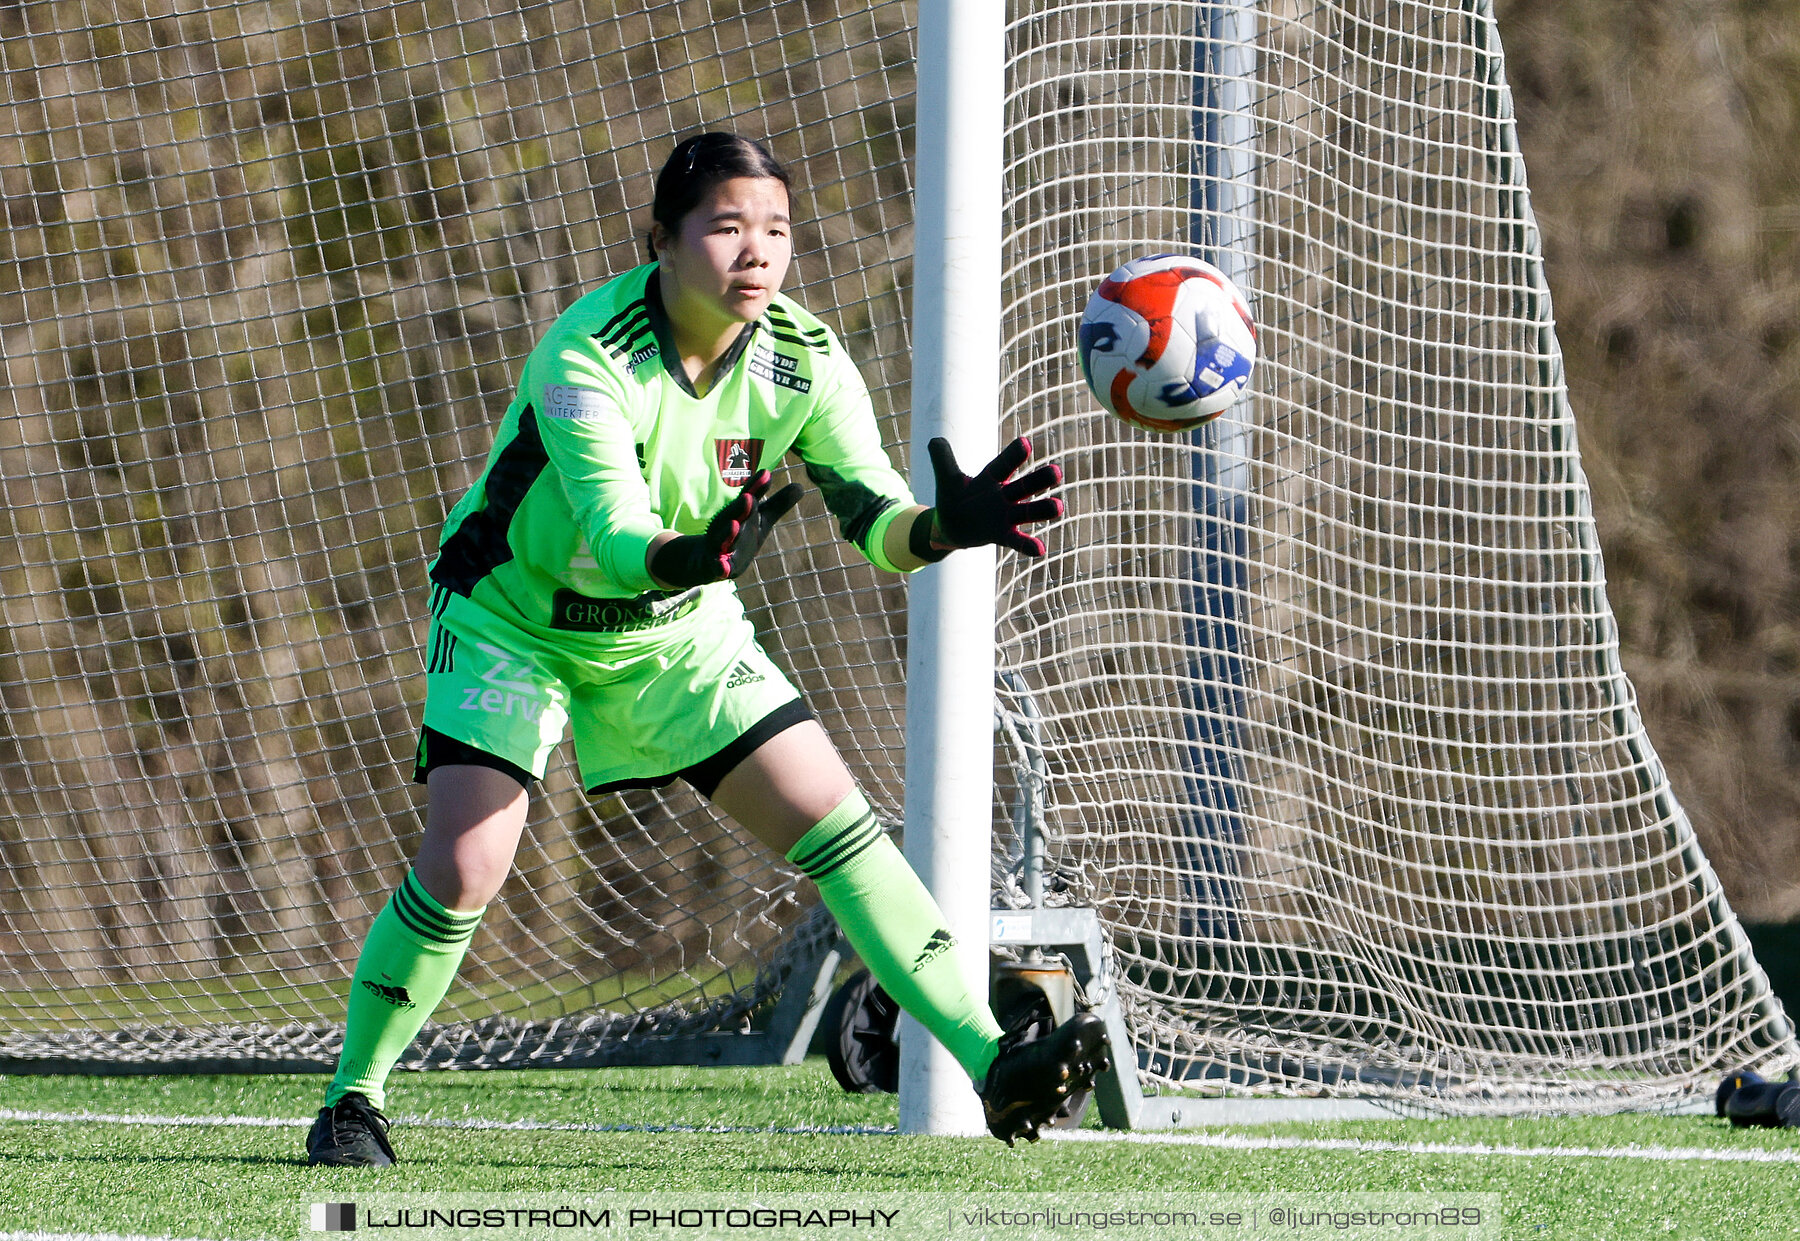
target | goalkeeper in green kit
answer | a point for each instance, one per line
(585, 581)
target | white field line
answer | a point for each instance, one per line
(77, 1236)
(1223, 1141)
(418, 1122)
(1235, 1141)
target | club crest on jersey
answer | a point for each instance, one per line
(738, 459)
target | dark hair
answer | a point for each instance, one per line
(695, 166)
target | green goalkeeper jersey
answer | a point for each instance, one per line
(606, 446)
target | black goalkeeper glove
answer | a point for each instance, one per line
(973, 512)
(731, 539)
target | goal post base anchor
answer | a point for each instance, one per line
(1076, 935)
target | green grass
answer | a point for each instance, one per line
(232, 1181)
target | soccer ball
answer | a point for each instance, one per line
(1167, 343)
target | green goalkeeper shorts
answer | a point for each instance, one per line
(680, 696)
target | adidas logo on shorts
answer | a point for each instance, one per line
(743, 674)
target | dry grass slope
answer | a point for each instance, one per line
(1661, 141)
(266, 272)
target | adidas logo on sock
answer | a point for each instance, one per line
(393, 995)
(743, 674)
(941, 941)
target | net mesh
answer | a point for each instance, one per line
(1332, 720)
(1324, 709)
(269, 271)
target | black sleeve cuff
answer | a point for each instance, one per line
(918, 539)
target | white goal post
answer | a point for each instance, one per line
(955, 393)
(1320, 712)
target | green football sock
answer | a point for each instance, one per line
(408, 961)
(896, 928)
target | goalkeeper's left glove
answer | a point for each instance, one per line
(990, 507)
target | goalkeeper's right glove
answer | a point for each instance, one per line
(731, 539)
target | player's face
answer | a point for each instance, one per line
(728, 257)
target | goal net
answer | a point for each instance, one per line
(1321, 709)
